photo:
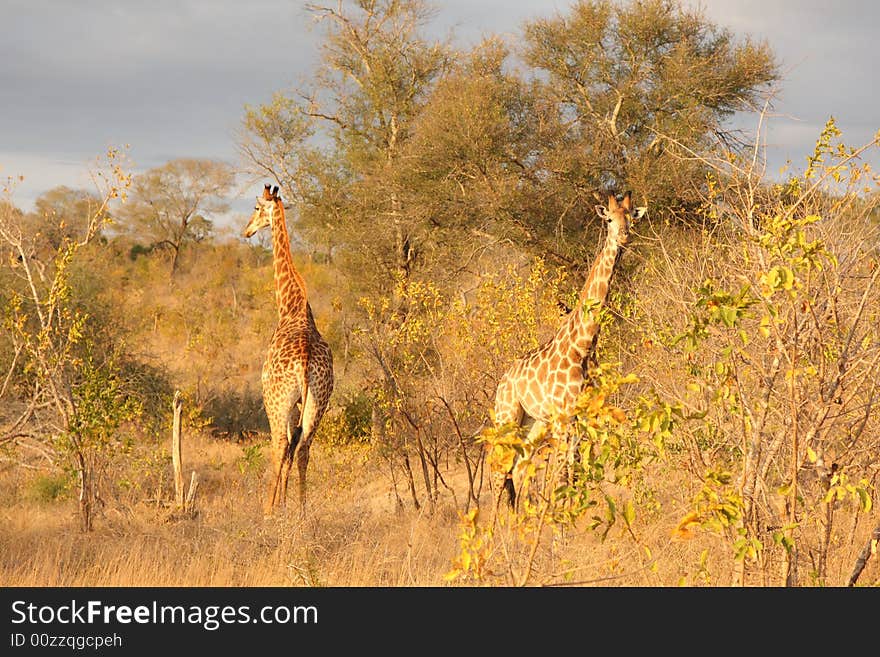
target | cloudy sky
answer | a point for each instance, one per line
(171, 78)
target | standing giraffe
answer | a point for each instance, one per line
(550, 378)
(299, 364)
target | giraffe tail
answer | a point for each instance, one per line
(304, 396)
(297, 431)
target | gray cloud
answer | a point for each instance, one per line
(826, 54)
(172, 78)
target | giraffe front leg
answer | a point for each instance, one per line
(508, 411)
(520, 481)
(504, 490)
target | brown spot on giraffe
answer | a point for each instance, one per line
(550, 378)
(298, 369)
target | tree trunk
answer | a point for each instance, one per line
(175, 255)
(748, 486)
(85, 492)
(189, 507)
(176, 452)
(864, 555)
(411, 479)
(429, 490)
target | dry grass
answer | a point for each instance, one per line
(353, 536)
(228, 542)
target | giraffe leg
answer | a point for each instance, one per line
(278, 425)
(518, 473)
(311, 415)
(302, 464)
(292, 435)
(572, 458)
(278, 455)
(507, 411)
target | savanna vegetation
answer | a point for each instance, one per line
(441, 203)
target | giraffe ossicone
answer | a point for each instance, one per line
(298, 369)
(550, 379)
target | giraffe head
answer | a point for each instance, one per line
(620, 216)
(265, 211)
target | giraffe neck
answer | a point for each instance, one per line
(583, 323)
(290, 288)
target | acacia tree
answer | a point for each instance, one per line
(375, 73)
(626, 77)
(168, 204)
(62, 213)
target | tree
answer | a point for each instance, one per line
(468, 170)
(168, 204)
(374, 78)
(73, 394)
(633, 80)
(62, 213)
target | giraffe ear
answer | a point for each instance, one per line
(612, 202)
(600, 210)
(639, 212)
(627, 200)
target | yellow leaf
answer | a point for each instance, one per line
(502, 455)
(684, 530)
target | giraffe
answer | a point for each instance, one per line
(299, 364)
(551, 377)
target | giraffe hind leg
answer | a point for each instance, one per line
(279, 456)
(293, 437)
(311, 415)
(302, 464)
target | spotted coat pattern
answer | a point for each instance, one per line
(550, 378)
(298, 370)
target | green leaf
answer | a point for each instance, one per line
(611, 510)
(864, 500)
(728, 315)
(629, 513)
